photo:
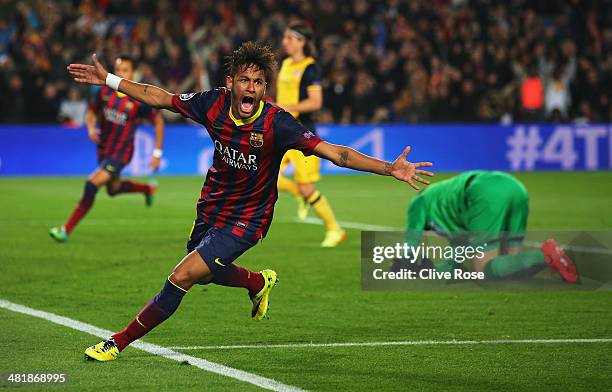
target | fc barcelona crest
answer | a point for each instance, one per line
(256, 139)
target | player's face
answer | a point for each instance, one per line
(292, 44)
(248, 86)
(124, 69)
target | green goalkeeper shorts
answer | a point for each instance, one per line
(497, 206)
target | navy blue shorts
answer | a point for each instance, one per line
(218, 248)
(112, 166)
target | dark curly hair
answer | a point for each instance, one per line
(252, 54)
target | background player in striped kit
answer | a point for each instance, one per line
(299, 91)
(119, 117)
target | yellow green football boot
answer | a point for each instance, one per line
(303, 207)
(261, 299)
(150, 196)
(333, 238)
(106, 350)
(59, 234)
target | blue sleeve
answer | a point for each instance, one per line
(195, 105)
(312, 76)
(291, 135)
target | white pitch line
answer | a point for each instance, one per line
(399, 343)
(368, 227)
(350, 225)
(266, 383)
(309, 220)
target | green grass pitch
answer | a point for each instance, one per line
(121, 253)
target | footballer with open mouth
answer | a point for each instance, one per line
(248, 87)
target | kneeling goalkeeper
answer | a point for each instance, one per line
(488, 209)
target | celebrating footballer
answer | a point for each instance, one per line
(236, 204)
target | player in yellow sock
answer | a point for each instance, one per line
(286, 185)
(289, 186)
(298, 91)
(334, 234)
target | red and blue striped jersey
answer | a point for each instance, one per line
(240, 188)
(119, 116)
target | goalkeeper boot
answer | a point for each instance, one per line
(106, 350)
(150, 195)
(262, 298)
(59, 234)
(303, 207)
(333, 238)
(556, 258)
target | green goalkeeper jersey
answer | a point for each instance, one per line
(484, 202)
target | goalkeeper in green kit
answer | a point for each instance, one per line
(488, 209)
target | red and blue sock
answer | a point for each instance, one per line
(236, 276)
(89, 195)
(127, 186)
(156, 311)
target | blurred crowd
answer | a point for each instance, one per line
(382, 61)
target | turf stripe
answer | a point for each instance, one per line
(399, 343)
(309, 220)
(165, 352)
(368, 227)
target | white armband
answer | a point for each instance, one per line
(113, 81)
(157, 153)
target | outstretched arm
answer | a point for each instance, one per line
(146, 93)
(400, 168)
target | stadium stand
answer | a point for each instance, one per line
(418, 61)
